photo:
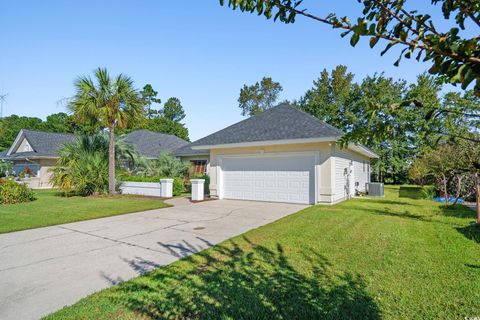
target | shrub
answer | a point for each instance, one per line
(6, 168)
(165, 165)
(126, 177)
(12, 192)
(428, 192)
(83, 165)
(178, 186)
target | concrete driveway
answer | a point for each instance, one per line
(42, 270)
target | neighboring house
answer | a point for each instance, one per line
(150, 144)
(283, 155)
(36, 152)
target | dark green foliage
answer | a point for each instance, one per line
(166, 165)
(178, 186)
(166, 120)
(6, 167)
(12, 192)
(164, 125)
(58, 122)
(428, 192)
(83, 165)
(150, 97)
(173, 110)
(259, 96)
(10, 126)
(454, 57)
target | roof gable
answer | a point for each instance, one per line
(40, 142)
(283, 122)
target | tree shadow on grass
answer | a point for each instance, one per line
(248, 281)
(411, 192)
(392, 202)
(458, 211)
(471, 232)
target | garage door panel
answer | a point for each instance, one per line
(283, 179)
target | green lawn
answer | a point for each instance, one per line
(51, 208)
(397, 257)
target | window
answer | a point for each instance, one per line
(363, 165)
(199, 166)
(23, 168)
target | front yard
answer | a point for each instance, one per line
(397, 257)
(50, 209)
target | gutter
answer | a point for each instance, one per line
(352, 146)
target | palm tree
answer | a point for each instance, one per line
(83, 164)
(112, 103)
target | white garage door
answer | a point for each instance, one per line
(279, 178)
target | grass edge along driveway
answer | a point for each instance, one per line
(51, 208)
(398, 257)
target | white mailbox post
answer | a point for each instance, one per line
(197, 189)
(166, 188)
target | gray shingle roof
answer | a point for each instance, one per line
(188, 151)
(44, 144)
(278, 123)
(47, 143)
(149, 144)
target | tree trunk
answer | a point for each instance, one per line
(111, 162)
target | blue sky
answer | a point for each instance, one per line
(198, 51)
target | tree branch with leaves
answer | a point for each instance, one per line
(455, 58)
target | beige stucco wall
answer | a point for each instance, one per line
(324, 172)
(42, 181)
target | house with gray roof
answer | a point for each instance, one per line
(36, 152)
(149, 144)
(283, 155)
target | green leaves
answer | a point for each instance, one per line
(392, 22)
(259, 97)
(354, 39)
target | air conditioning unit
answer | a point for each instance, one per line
(375, 189)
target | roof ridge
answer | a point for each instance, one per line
(320, 120)
(157, 133)
(44, 131)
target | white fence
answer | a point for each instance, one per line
(162, 189)
(151, 189)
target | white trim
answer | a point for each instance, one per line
(352, 146)
(362, 150)
(316, 163)
(15, 142)
(34, 157)
(262, 143)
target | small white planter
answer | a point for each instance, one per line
(197, 189)
(166, 188)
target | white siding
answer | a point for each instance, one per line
(341, 166)
(361, 170)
